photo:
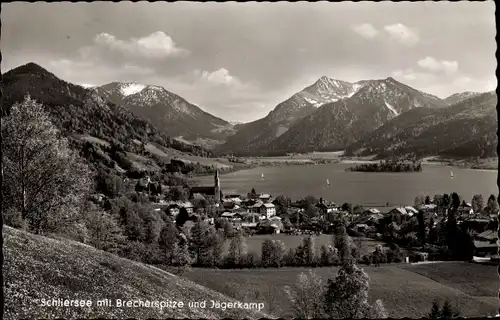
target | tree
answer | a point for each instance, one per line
(104, 233)
(182, 217)
(287, 224)
(435, 310)
(378, 256)
(310, 200)
(168, 239)
(328, 255)
(446, 312)
(477, 203)
(419, 200)
(311, 211)
(109, 184)
(237, 250)
(347, 207)
(217, 248)
(44, 180)
(279, 250)
(306, 296)
(432, 232)
(153, 225)
(346, 296)
(492, 206)
(177, 193)
(455, 201)
(427, 200)
(306, 252)
(226, 226)
(342, 244)
(421, 227)
(445, 201)
(140, 186)
(200, 203)
(437, 200)
(273, 252)
(182, 257)
(203, 241)
(252, 194)
(358, 209)
(451, 231)
(282, 203)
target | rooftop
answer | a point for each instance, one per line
(268, 205)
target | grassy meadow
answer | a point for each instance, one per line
(406, 290)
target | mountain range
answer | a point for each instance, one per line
(329, 115)
(166, 110)
(94, 125)
(361, 117)
(467, 128)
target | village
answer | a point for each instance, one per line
(262, 214)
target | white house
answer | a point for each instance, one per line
(410, 210)
(264, 197)
(268, 210)
(256, 206)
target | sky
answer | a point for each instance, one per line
(239, 60)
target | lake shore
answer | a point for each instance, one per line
(318, 158)
(481, 164)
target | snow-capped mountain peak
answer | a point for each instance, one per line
(87, 86)
(127, 89)
(327, 90)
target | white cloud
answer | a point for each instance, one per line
(402, 33)
(410, 75)
(365, 30)
(220, 77)
(435, 65)
(156, 45)
(80, 71)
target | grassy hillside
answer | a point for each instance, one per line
(37, 267)
(407, 290)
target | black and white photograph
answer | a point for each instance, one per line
(249, 160)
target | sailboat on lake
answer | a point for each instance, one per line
(451, 174)
(262, 176)
(327, 182)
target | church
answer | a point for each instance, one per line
(214, 191)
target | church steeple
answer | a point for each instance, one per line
(216, 185)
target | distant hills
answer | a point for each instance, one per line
(458, 97)
(369, 117)
(109, 135)
(464, 129)
(166, 110)
(328, 115)
(254, 137)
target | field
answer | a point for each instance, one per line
(37, 267)
(254, 243)
(406, 290)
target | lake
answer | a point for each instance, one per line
(367, 188)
